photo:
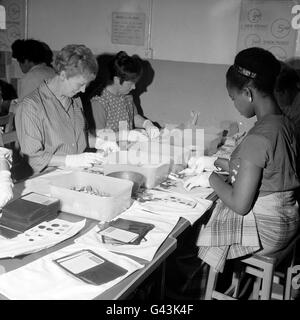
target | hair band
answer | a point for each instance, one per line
(245, 72)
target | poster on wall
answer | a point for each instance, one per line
(128, 28)
(15, 11)
(267, 24)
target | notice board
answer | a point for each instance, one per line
(267, 24)
(15, 23)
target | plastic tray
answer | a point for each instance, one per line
(87, 205)
(154, 169)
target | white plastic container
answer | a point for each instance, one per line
(178, 156)
(154, 169)
(87, 205)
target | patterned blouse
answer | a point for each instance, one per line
(45, 128)
(108, 110)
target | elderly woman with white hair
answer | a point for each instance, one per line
(50, 124)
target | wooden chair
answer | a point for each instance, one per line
(7, 138)
(8, 135)
(6, 122)
(262, 268)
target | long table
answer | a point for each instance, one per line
(124, 288)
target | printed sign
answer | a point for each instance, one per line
(128, 28)
(15, 11)
(267, 24)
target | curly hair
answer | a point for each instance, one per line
(76, 59)
(125, 67)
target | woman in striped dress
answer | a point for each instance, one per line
(50, 124)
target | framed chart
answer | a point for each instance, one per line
(16, 24)
(267, 24)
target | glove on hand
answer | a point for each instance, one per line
(201, 180)
(86, 159)
(151, 129)
(137, 136)
(106, 146)
(6, 185)
(6, 154)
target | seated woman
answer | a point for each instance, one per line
(34, 58)
(257, 209)
(49, 122)
(6, 183)
(115, 104)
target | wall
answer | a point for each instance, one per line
(190, 30)
(179, 87)
(207, 35)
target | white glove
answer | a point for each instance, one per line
(201, 180)
(203, 163)
(106, 145)
(151, 129)
(86, 159)
(5, 154)
(6, 185)
(137, 136)
(196, 165)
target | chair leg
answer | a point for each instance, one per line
(288, 284)
(256, 288)
(211, 283)
(267, 283)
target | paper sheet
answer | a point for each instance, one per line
(42, 279)
(42, 236)
(172, 204)
(148, 247)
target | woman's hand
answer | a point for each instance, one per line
(152, 131)
(6, 187)
(106, 146)
(86, 159)
(196, 165)
(200, 180)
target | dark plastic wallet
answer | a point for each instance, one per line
(90, 267)
(140, 228)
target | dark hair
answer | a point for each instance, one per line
(76, 59)
(31, 50)
(127, 68)
(254, 66)
(287, 79)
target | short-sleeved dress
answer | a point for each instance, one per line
(271, 145)
(109, 109)
(274, 217)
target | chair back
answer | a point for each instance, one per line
(7, 138)
(6, 122)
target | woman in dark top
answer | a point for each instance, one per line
(257, 209)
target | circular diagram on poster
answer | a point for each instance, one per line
(252, 40)
(13, 33)
(278, 52)
(14, 11)
(280, 28)
(254, 15)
